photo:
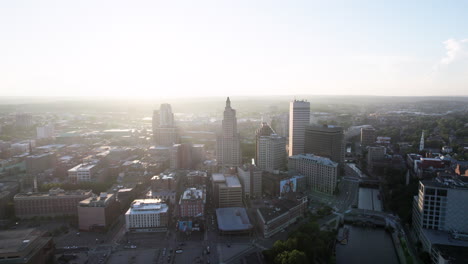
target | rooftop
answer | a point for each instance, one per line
(232, 181)
(83, 167)
(450, 182)
(55, 192)
(101, 201)
(277, 208)
(233, 219)
(317, 159)
(192, 194)
(147, 206)
(18, 240)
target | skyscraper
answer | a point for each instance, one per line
(264, 130)
(228, 150)
(325, 141)
(165, 132)
(299, 118)
(271, 153)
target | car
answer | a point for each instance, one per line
(133, 246)
(179, 251)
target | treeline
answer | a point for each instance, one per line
(308, 244)
(398, 195)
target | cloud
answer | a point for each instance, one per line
(455, 50)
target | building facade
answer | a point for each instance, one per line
(321, 173)
(367, 136)
(271, 152)
(228, 150)
(83, 172)
(299, 118)
(325, 141)
(56, 202)
(192, 203)
(227, 190)
(439, 210)
(251, 179)
(147, 215)
(98, 213)
(165, 132)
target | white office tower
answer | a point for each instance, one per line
(321, 173)
(440, 213)
(299, 118)
(271, 152)
(46, 131)
(165, 132)
(228, 150)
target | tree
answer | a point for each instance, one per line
(292, 257)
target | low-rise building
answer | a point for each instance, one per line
(82, 172)
(192, 203)
(98, 213)
(280, 214)
(147, 215)
(26, 246)
(56, 202)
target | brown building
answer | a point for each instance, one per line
(28, 246)
(98, 213)
(367, 136)
(56, 202)
(325, 141)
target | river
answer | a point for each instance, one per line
(366, 245)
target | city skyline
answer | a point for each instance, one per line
(163, 49)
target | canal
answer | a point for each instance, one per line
(366, 245)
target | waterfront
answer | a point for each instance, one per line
(366, 245)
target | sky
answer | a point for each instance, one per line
(216, 48)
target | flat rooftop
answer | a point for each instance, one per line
(233, 219)
(314, 158)
(83, 167)
(232, 181)
(17, 240)
(147, 206)
(218, 177)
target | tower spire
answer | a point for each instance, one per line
(228, 102)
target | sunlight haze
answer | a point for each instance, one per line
(214, 48)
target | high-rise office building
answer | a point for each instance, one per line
(321, 173)
(228, 150)
(299, 118)
(271, 152)
(264, 130)
(325, 141)
(251, 179)
(439, 213)
(367, 136)
(165, 133)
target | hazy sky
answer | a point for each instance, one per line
(170, 48)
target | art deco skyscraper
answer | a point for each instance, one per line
(228, 150)
(165, 132)
(299, 118)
